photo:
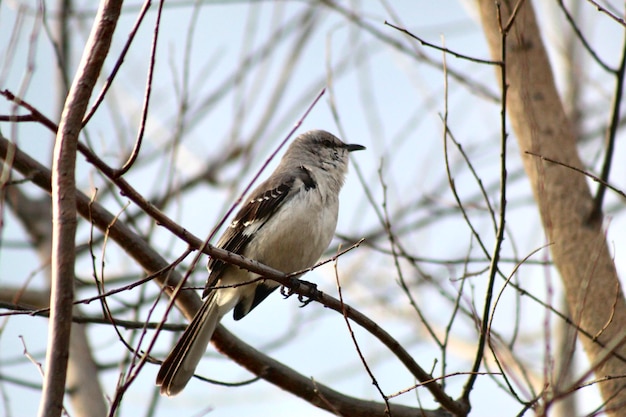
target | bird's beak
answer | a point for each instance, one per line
(353, 147)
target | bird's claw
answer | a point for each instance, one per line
(286, 292)
(305, 300)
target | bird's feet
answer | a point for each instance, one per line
(305, 299)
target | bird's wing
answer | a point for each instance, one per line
(263, 202)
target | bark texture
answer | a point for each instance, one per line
(64, 207)
(578, 244)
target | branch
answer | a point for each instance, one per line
(189, 302)
(64, 207)
(608, 13)
(363, 24)
(493, 267)
(596, 212)
(441, 48)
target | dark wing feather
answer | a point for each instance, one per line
(261, 205)
(261, 292)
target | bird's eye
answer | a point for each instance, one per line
(328, 143)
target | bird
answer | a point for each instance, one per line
(287, 222)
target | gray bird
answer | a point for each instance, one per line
(286, 222)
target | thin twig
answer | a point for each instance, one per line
(608, 13)
(510, 387)
(118, 64)
(146, 102)
(493, 269)
(356, 344)
(581, 171)
(443, 49)
(411, 52)
(596, 212)
(583, 40)
(36, 114)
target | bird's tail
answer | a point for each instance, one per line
(180, 365)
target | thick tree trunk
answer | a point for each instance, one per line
(578, 245)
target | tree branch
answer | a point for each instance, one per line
(189, 302)
(64, 208)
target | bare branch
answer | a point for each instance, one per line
(189, 303)
(64, 208)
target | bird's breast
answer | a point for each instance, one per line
(297, 235)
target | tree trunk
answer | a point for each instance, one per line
(578, 245)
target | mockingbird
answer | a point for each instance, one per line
(287, 222)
